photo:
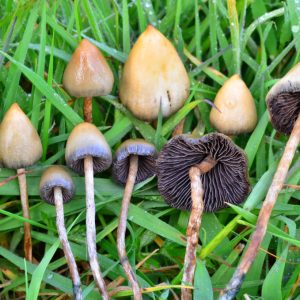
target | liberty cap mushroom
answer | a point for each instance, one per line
(88, 152)
(284, 108)
(200, 174)
(57, 188)
(236, 111)
(20, 147)
(153, 77)
(88, 75)
(134, 162)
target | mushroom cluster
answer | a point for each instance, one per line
(203, 174)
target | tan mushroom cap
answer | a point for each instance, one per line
(152, 74)
(237, 108)
(20, 144)
(87, 73)
(56, 176)
(87, 140)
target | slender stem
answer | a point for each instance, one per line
(262, 222)
(133, 168)
(60, 224)
(179, 128)
(88, 109)
(25, 209)
(91, 226)
(192, 231)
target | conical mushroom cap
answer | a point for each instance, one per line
(237, 108)
(283, 101)
(87, 73)
(56, 176)
(20, 144)
(146, 153)
(86, 140)
(152, 74)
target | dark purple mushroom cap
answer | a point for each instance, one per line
(283, 101)
(86, 140)
(56, 176)
(227, 181)
(146, 153)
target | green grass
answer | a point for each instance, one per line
(258, 39)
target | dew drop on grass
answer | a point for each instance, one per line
(295, 28)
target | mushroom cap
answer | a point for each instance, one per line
(20, 144)
(283, 101)
(237, 108)
(146, 153)
(227, 181)
(87, 73)
(86, 140)
(152, 76)
(56, 176)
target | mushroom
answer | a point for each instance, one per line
(88, 75)
(87, 152)
(200, 174)
(57, 188)
(234, 111)
(134, 162)
(20, 147)
(153, 77)
(284, 108)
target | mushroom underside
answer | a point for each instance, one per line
(284, 109)
(47, 192)
(146, 169)
(226, 182)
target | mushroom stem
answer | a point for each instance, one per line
(91, 227)
(88, 109)
(179, 128)
(192, 231)
(262, 222)
(25, 209)
(133, 168)
(60, 224)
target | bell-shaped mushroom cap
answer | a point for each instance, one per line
(153, 74)
(227, 181)
(87, 73)
(20, 144)
(237, 111)
(283, 101)
(86, 140)
(146, 153)
(56, 176)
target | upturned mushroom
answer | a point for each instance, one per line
(134, 162)
(20, 147)
(283, 103)
(88, 75)
(153, 78)
(57, 188)
(234, 112)
(87, 152)
(200, 174)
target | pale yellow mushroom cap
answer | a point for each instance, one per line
(20, 144)
(153, 74)
(237, 108)
(87, 73)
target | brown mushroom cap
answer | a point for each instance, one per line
(20, 144)
(86, 140)
(87, 73)
(227, 181)
(237, 108)
(283, 101)
(146, 153)
(153, 74)
(56, 176)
